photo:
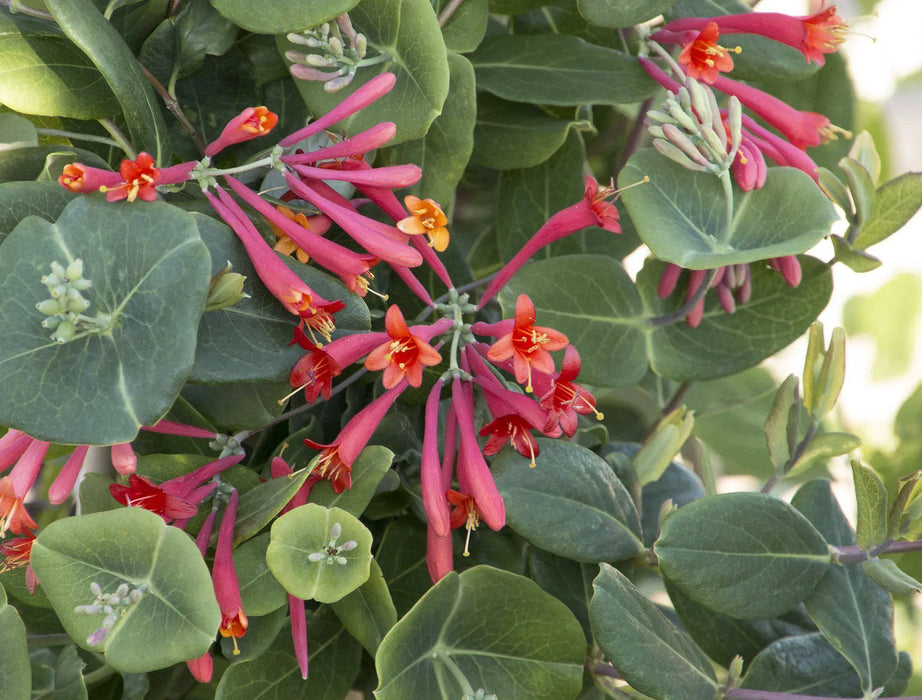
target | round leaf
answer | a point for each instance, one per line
(280, 16)
(260, 592)
(407, 31)
(500, 630)
(15, 674)
(570, 504)
(621, 13)
(682, 215)
(747, 555)
(306, 531)
(149, 270)
(176, 618)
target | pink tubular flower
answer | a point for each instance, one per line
(779, 150)
(383, 241)
(64, 482)
(352, 147)
(249, 124)
(473, 473)
(733, 284)
(594, 209)
(351, 267)
(314, 311)
(527, 344)
(749, 168)
(374, 89)
(337, 458)
(390, 176)
(279, 468)
(141, 492)
(77, 177)
(168, 427)
(299, 632)
(815, 35)
(202, 668)
(430, 477)
(439, 555)
(139, 179)
(124, 459)
(803, 129)
(406, 353)
(17, 552)
(15, 487)
(789, 267)
(226, 588)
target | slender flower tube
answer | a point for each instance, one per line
(64, 482)
(15, 487)
(81, 178)
(12, 445)
(383, 241)
(299, 632)
(407, 352)
(779, 150)
(803, 129)
(430, 476)
(471, 467)
(168, 427)
(249, 124)
(352, 147)
(351, 267)
(337, 458)
(124, 459)
(314, 372)
(789, 267)
(390, 176)
(814, 35)
(226, 588)
(314, 311)
(593, 209)
(439, 555)
(184, 485)
(279, 469)
(202, 668)
(374, 89)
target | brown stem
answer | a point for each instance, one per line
(686, 308)
(634, 136)
(175, 108)
(449, 10)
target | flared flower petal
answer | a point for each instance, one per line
(404, 355)
(139, 179)
(249, 124)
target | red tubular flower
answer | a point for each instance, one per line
(702, 57)
(168, 427)
(226, 588)
(430, 473)
(249, 124)
(465, 514)
(139, 179)
(12, 445)
(15, 487)
(749, 168)
(527, 344)
(141, 492)
(314, 311)
(779, 150)
(594, 209)
(16, 552)
(337, 458)
(298, 632)
(374, 89)
(514, 430)
(815, 35)
(279, 468)
(77, 177)
(789, 267)
(405, 354)
(201, 668)
(803, 129)
(64, 482)
(564, 400)
(124, 459)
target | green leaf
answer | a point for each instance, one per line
(621, 13)
(176, 618)
(16, 132)
(497, 629)
(466, 27)
(861, 188)
(511, 135)
(260, 592)
(568, 581)
(281, 16)
(682, 215)
(571, 504)
(822, 448)
(36, 163)
(854, 259)
(654, 656)
(897, 202)
(261, 632)
(41, 72)
(871, 495)
(593, 302)
(249, 341)
(262, 503)
(334, 658)
(92, 33)
(886, 574)
(402, 556)
(21, 199)
(556, 69)
(803, 665)
(15, 674)
(851, 611)
(368, 612)
(776, 425)
(723, 344)
(68, 676)
(150, 272)
(408, 32)
(747, 555)
(677, 484)
(444, 151)
(527, 198)
(723, 637)
(237, 406)
(307, 530)
(369, 468)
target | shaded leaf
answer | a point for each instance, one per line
(368, 612)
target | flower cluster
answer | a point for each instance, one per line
(693, 131)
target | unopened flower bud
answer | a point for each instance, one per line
(681, 117)
(336, 46)
(319, 61)
(64, 332)
(226, 289)
(681, 140)
(674, 154)
(361, 46)
(50, 307)
(661, 117)
(338, 83)
(74, 271)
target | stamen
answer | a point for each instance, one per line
(284, 399)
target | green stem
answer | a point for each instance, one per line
(74, 136)
(100, 674)
(48, 640)
(17, 7)
(446, 659)
(217, 172)
(119, 137)
(453, 365)
(728, 196)
(381, 58)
